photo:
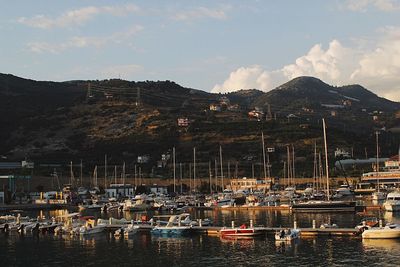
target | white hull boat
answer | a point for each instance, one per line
(387, 232)
(287, 235)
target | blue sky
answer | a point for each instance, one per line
(217, 46)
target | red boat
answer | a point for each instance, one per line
(241, 231)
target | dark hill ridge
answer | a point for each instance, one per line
(61, 121)
(312, 92)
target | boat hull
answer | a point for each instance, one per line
(383, 233)
(239, 232)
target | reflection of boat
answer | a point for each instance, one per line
(241, 231)
(287, 235)
(324, 205)
(392, 202)
(389, 231)
(387, 244)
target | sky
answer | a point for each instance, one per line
(215, 46)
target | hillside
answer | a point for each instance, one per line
(64, 121)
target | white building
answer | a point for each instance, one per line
(120, 190)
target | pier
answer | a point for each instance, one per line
(215, 230)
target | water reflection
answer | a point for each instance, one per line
(382, 244)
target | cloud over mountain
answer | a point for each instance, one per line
(376, 67)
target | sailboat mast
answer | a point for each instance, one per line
(194, 168)
(173, 157)
(263, 150)
(377, 158)
(222, 171)
(326, 160)
(105, 171)
(72, 175)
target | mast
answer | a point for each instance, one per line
(95, 177)
(180, 176)
(210, 174)
(315, 166)
(173, 157)
(194, 168)
(71, 176)
(216, 174)
(326, 160)
(123, 174)
(105, 171)
(222, 170)
(264, 167)
(293, 170)
(115, 174)
(377, 159)
(80, 178)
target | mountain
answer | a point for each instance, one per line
(312, 92)
(62, 121)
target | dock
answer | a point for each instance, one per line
(214, 230)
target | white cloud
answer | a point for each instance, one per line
(77, 16)
(84, 41)
(202, 12)
(245, 78)
(363, 5)
(378, 69)
(330, 65)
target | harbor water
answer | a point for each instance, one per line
(143, 249)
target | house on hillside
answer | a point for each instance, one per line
(183, 122)
(234, 107)
(340, 152)
(143, 159)
(215, 107)
(392, 163)
(255, 114)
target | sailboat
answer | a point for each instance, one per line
(378, 195)
(328, 204)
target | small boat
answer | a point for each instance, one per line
(328, 225)
(96, 207)
(378, 195)
(389, 231)
(392, 202)
(171, 228)
(287, 235)
(241, 231)
(89, 230)
(367, 223)
(127, 232)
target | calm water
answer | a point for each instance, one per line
(201, 250)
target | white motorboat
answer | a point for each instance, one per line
(392, 202)
(127, 232)
(287, 235)
(171, 228)
(389, 231)
(378, 195)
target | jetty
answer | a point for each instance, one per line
(215, 230)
